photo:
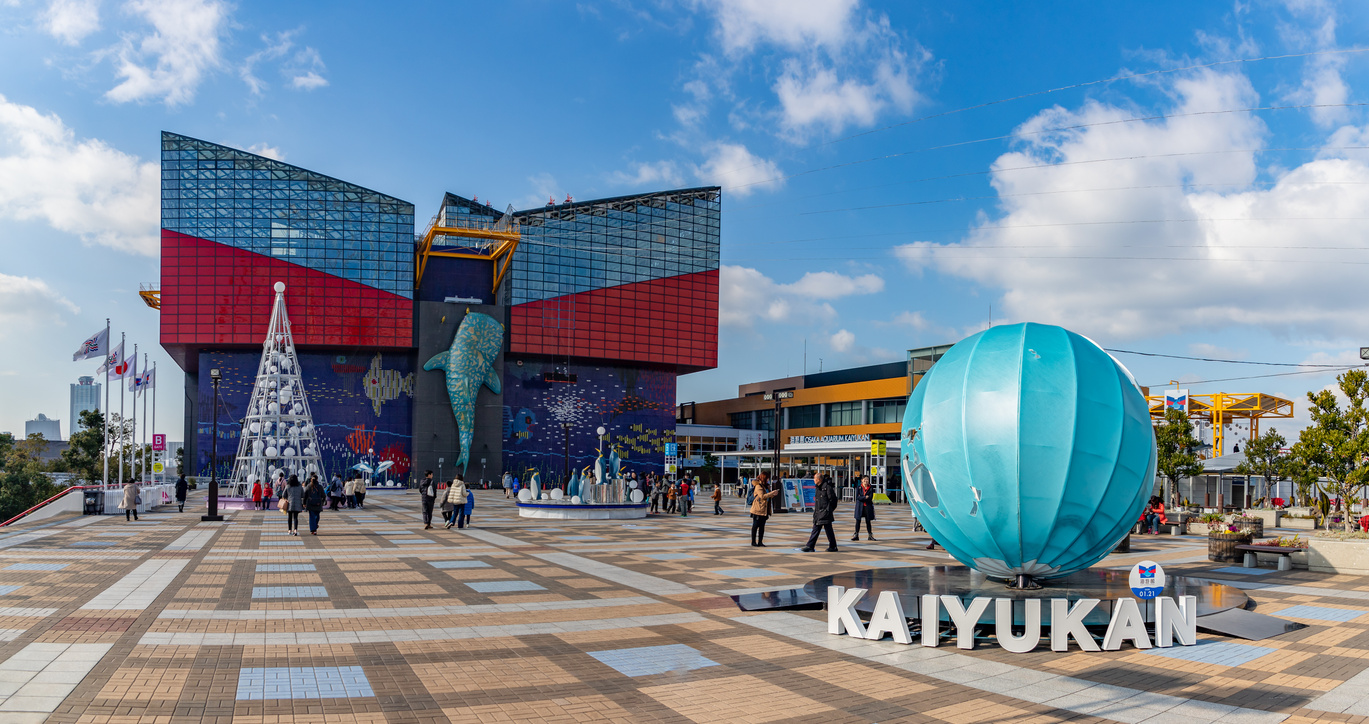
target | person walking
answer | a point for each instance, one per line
(314, 499)
(686, 492)
(760, 507)
(456, 498)
(508, 484)
(427, 494)
(130, 501)
(671, 494)
(280, 486)
(717, 499)
(256, 495)
(334, 491)
(465, 520)
(349, 491)
(361, 492)
(182, 489)
(824, 512)
(293, 499)
(865, 507)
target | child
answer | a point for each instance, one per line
(717, 500)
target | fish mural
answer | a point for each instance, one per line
(523, 424)
(468, 364)
(382, 385)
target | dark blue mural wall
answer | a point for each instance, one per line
(360, 401)
(636, 406)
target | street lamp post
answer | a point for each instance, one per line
(566, 426)
(213, 515)
(777, 425)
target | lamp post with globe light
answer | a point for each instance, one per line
(213, 516)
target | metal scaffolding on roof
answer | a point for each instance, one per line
(1221, 408)
(470, 236)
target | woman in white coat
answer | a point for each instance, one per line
(456, 497)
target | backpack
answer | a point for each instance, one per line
(750, 494)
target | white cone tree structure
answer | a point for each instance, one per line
(278, 435)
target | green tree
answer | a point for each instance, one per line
(1304, 480)
(85, 453)
(1334, 446)
(1264, 457)
(1176, 453)
(24, 480)
(710, 467)
(180, 461)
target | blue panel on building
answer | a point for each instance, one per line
(361, 400)
(636, 406)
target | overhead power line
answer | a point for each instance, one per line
(1226, 361)
(1256, 377)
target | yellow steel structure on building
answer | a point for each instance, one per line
(1221, 408)
(151, 295)
(502, 237)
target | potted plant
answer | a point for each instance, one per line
(1221, 544)
(1206, 523)
(1251, 523)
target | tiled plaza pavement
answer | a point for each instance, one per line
(376, 620)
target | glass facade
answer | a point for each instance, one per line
(887, 411)
(271, 208)
(805, 416)
(742, 420)
(633, 279)
(580, 247)
(843, 413)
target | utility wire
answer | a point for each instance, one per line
(1227, 361)
(1257, 377)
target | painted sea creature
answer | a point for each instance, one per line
(573, 488)
(382, 385)
(468, 364)
(523, 424)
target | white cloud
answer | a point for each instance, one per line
(794, 24)
(27, 303)
(544, 188)
(169, 62)
(1322, 83)
(72, 20)
(303, 68)
(747, 296)
(262, 149)
(82, 187)
(842, 340)
(1059, 258)
(842, 65)
(650, 174)
(737, 170)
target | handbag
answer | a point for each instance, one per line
(283, 505)
(137, 500)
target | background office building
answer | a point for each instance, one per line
(85, 395)
(603, 304)
(50, 429)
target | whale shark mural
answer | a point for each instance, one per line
(468, 364)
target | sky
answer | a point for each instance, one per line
(1174, 178)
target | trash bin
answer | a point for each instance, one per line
(94, 502)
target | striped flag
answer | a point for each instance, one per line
(115, 366)
(139, 382)
(97, 345)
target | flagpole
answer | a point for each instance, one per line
(161, 479)
(133, 439)
(142, 449)
(121, 414)
(104, 479)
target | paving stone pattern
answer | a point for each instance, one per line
(170, 621)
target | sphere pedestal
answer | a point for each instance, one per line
(967, 584)
(562, 510)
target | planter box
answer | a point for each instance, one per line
(1221, 547)
(1300, 523)
(1254, 527)
(1196, 528)
(1328, 555)
(1271, 518)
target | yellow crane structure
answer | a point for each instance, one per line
(1221, 408)
(477, 237)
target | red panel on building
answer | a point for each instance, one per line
(671, 321)
(214, 294)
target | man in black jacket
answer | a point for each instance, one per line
(824, 512)
(427, 492)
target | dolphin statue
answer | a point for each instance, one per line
(468, 364)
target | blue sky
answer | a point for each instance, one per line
(872, 202)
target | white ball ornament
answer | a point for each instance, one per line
(525, 495)
(255, 427)
(637, 496)
(289, 452)
(271, 452)
(575, 499)
(298, 408)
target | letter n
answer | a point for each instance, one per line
(1176, 621)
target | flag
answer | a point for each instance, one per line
(140, 382)
(132, 374)
(97, 345)
(115, 366)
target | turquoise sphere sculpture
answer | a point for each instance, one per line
(1027, 451)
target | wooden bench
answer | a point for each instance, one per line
(1284, 552)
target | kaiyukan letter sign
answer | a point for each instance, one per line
(1175, 621)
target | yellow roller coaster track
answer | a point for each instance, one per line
(1221, 408)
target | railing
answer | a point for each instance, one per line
(46, 502)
